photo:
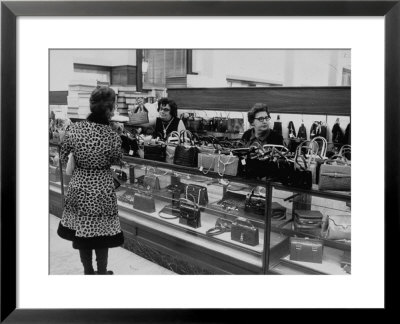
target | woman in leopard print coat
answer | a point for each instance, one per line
(90, 217)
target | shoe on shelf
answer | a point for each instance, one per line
(109, 272)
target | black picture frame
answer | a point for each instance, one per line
(10, 10)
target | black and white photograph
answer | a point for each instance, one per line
(197, 155)
(200, 161)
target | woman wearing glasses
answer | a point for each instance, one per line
(168, 120)
(261, 132)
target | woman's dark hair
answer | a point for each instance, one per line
(171, 103)
(102, 102)
(251, 115)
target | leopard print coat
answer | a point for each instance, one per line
(90, 216)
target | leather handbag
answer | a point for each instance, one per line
(189, 212)
(337, 227)
(255, 202)
(243, 231)
(306, 250)
(226, 165)
(144, 203)
(186, 155)
(198, 192)
(155, 152)
(222, 225)
(308, 221)
(139, 116)
(335, 177)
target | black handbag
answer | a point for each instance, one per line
(198, 192)
(307, 221)
(244, 232)
(189, 212)
(186, 155)
(155, 152)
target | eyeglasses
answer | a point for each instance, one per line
(165, 109)
(261, 119)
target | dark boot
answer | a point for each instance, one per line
(109, 272)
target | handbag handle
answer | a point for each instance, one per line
(225, 164)
(172, 135)
(324, 145)
(194, 198)
(201, 164)
(182, 137)
(141, 108)
(196, 206)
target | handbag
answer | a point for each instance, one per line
(243, 231)
(306, 250)
(335, 177)
(155, 151)
(226, 165)
(70, 164)
(206, 162)
(189, 212)
(307, 221)
(138, 116)
(149, 181)
(337, 227)
(198, 192)
(222, 225)
(186, 155)
(144, 203)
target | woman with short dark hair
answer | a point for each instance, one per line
(168, 120)
(90, 217)
(261, 132)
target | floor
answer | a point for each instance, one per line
(64, 260)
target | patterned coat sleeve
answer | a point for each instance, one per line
(66, 147)
(116, 152)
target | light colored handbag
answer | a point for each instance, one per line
(70, 164)
(226, 165)
(139, 116)
(206, 162)
(337, 227)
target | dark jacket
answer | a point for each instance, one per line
(272, 138)
(159, 130)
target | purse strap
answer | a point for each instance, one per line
(225, 163)
(194, 198)
(201, 163)
(182, 136)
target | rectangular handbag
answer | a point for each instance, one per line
(255, 203)
(151, 182)
(144, 203)
(335, 177)
(226, 165)
(155, 152)
(306, 250)
(138, 116)
(244, 232)
(206, 162)
(186, 156)
(199, 193)
(308, 221)
(189, 213)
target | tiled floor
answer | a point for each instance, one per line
(65, 260)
